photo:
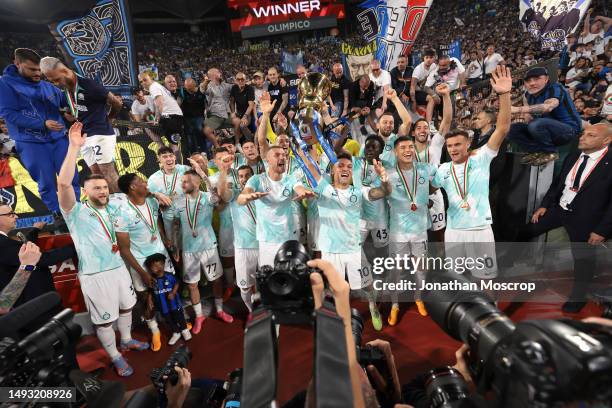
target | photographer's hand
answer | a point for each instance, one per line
(340, 289)
(176, 394)
(461, 365)
(388, 386)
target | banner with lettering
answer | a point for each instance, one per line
(550, 21)
(100, 45)
(393, 24)
(135, 153)
(356, 59)
(453, 49)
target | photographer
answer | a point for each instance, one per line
(21, 282)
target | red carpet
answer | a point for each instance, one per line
(418, 345)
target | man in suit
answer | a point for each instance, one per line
(580, 200)
(23, 284)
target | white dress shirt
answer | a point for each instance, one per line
(568, 195)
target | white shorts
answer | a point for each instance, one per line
(437, 211)
(194, 262)
(137, 280)
(267, 253)
(106, 293)
(226, 242)
(473, 244)
(313, 233)
(379, 233)
(99, 149)
(245, 263)
(351, 265)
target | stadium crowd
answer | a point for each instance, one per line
(413, 163)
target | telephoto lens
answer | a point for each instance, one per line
(467, 316)
(446, 388)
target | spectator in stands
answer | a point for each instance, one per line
(193, 103)
(595, 31)
(339, 95)
(551, 119)
(449, 71)
(7, 145)
(361, 101)
(418, 95)
(578, 76)
(586, 214)
(242, 107)
(167, 112)
(475, 68)
(35, 280)
(400, 79)
(591, 113)
(278, 92)
(172, 86)
(31, 109)
(258, 90)
(88, 102)
(217, 96)
(491, 61)
(143, 109)
(382, 82)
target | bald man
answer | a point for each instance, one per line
(88, 103)
(580, 200)
(218, 97)
(339, 95)
(193, 102)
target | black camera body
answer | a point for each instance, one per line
(533, 363)
(285, 288)
(181, 358)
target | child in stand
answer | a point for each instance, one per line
(163, 297)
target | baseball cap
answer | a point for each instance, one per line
(258, 74)
(535, 72)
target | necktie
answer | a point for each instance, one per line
(581, 168)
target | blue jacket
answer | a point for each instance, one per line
(26, 105)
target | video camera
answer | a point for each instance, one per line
(533, 363)
(287, 298)
(40, 358)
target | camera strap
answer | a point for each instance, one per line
(260, 361)
(332, 378)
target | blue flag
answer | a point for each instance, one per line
(100, 45)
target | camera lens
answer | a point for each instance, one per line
(53, 337)
(291, 254)
(281, 283)
(467, 316)
(356, 326)
(446, 387)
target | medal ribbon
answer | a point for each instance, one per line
(150, 223)
(108, 227)
(411, 194)
(462, 193)
(251, 210)
(418, 156)
(72, 99)
(192, 215)
(590, 171)
(172, 182)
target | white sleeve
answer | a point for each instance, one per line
(133, 109)
(486, 153)
(417, 72)
(155, 91)
(365, 192)
(386, 80)
(460, 67)
(431, 78)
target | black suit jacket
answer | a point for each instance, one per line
(40, 280)
(591, 209)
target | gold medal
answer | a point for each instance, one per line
(465, 206)
(194, 234)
